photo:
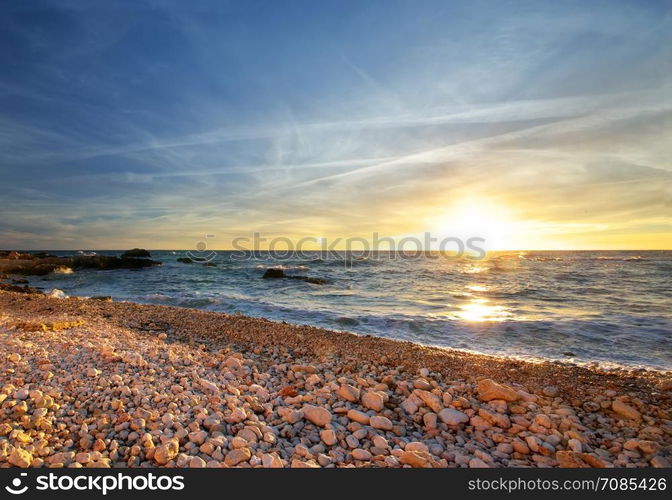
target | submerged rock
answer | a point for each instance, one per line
(314, 281)
(185, 260)
(273, 272)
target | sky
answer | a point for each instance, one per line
(536, 125)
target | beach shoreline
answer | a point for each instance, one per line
(348, 400)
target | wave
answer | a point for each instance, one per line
(635, 258)
(280, 267)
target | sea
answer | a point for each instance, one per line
(606, 308)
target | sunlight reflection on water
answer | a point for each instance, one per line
(480, 310)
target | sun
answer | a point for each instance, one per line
(478, 218)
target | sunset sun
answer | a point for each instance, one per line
(479, 218)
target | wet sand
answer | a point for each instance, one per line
(95, 383)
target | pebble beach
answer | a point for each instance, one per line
(99, 383)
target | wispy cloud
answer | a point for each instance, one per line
(172, 121)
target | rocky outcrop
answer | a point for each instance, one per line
(28, 264)
(136, 253)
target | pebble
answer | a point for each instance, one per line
(520, 447)
(648, 447)
(359, 417)
(450, 416)
(271, 461)
(166, 452)
(317, 415)
(431, 400)
(348, 392)
(416, 446)
(373, 400)
(380, 442)
(409, 406)
(360, 454)
(198, 437)
(416, 459)
(430, 420)
(575, 445)
(328, 436)
(20, 458)
(21, 394)
(235, 457)
(625, 410)
(489, 390)
(382, 423)
(543, 421)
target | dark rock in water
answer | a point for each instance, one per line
(185, 260)
(136, 252)
(274, 273)
(314, 281)
(210, 264)
(279, 273)
(19, 289)
(104, 298)
(569, 353)
(344, 320)
(20, 282)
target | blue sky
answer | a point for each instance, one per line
(150, 123)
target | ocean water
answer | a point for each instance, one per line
(612, 308)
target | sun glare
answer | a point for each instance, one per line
(478, 218)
